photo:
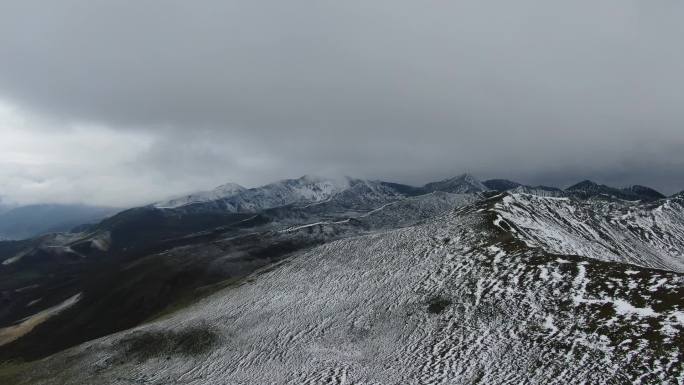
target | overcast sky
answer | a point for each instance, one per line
(125, 102)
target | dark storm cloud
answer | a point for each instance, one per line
(249, 91)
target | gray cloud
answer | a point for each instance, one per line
(249, 91)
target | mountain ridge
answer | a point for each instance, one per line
(113, 267)
(461, 184)
(587, 189)
(465, 288)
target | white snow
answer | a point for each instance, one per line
(624, 308)
(224, 191)
(627, 232)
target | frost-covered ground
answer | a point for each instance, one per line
(645, 234)
(460, 299)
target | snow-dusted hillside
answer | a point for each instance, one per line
(542, 191)
(237, 199)
(649, 235)
(412, 210)
(221, 192)
(457, 300)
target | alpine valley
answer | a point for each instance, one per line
(350, 281)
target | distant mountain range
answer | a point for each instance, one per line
(20, 222)
(450, 273)
(309, 189)
(587, 188)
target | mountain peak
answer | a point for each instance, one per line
(468, 177)
(229, 188)
(309, 179)
(584, 185)
(461, 184)
(222, 191)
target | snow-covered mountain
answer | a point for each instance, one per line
(463, 298)
(358, 281)
(649, 235)
(543, 191)
(237, 199)
(307, 191)
(582, 190)
(462, 184)
(234, 198)
(221, 192)
(519, 188)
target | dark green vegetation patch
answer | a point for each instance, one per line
(147, 344)
(438, 304)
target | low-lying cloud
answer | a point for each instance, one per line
(114, 102)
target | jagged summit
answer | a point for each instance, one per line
(462, 184)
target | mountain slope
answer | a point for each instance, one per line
(502, 185)
(543, 191)
(224, 191)
(587, 189)
(307, 189)
(643, 192)
(142, 261)
(462, 184)
(649, 235)
(458, 300)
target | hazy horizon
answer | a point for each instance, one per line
(197, 190)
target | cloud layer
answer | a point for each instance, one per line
(139, 99)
